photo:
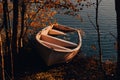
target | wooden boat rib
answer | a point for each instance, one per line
(54, 50)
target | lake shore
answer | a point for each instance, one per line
(30, 66)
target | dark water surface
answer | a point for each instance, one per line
(107, 23)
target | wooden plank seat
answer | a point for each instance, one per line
(54, 46)
(58, 41)
(56, 32)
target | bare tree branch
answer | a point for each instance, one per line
(92, 22)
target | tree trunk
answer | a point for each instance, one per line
(5, 23)
(22, 24)
(99, 40)
(14, 34)
(15, 25)
(117, 7)
(2, 59)
(98, 33)
(7, 39)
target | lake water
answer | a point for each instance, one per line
(107, 22)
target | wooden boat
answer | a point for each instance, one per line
(55, 50)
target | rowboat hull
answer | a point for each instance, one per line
(54, 50)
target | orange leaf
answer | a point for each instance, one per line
(93, 47)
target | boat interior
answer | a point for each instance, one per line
(50, 40)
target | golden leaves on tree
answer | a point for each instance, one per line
(43, 12)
